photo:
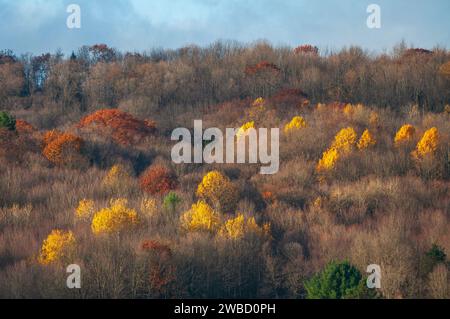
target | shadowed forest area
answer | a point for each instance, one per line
(86, 175)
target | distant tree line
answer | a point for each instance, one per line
(98, 76)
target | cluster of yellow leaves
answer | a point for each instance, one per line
(115, 176)
(116, 218)
(296, 123)
(85, 209)
(258, 102)
(201, 217)
(343, 143)
(58, 245)
(217, 190)
(149, 207)
(366, 140)
(428, 144)
(328, 160)
(244, 128)
(404, 134)
(344, 140)
(238, 227)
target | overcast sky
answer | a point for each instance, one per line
(40, 25)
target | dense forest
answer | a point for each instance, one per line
(86, 175)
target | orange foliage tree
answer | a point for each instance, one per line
(123, 126)
(62, 148)
(24, 127)
(158, 180)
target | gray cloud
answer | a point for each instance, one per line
(40, 25)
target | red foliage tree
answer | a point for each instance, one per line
(158, 180)
(123, 127)
(307, 49)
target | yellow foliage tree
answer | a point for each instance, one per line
(116, 218)
(58, 246)
(366, 140)
(344, 140)
(201, 217)
(428, 144)
(296, 123)
(217, 190)
(404, 134)
(238, 227)
(343, 144)
(328, 160)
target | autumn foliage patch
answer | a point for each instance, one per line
(123, 127)
(62, 148)
(158, 180)
(261, 67)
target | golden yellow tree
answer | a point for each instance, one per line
(114, 219)
(238, 227)
(217, 190)
(345, 140)
(404, 134)
(296, 123)
(343, 144)
(201, 217)
(328, 160)
(366, 140)
(428, 144)
(58, 246)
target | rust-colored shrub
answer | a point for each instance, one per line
(307, 49)
(63, 148)
(290, 97)
(261, 67)
(158, 180)
(23, 127)
(50, 136)
(124, 128)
